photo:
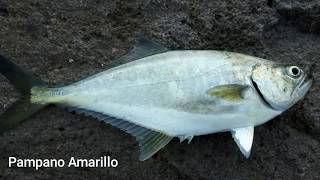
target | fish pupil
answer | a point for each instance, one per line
(295, 71)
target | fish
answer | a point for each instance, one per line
(156, 94)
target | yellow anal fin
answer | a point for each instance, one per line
(150, 141)
(228, 92)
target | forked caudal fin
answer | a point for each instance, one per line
(23, 82)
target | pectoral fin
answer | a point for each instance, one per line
(229, 92)
(244, 138)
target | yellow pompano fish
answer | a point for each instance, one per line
(157, 94)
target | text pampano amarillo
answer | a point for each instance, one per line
(102, 162)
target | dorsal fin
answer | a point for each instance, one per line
(150, 141)
(143, 48)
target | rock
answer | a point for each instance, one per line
(304, 14)
(217, 25)
(70, 60)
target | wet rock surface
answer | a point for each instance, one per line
(304, 14)
(64, 41)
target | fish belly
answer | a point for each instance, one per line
(174, 122)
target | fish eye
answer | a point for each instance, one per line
(294, 71)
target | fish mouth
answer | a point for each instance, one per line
(305, 84)
(263, 99)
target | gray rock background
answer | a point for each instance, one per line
(63, 41)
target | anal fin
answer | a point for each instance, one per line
(150, 141)
(184, 137)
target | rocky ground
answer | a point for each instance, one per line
(63, 41)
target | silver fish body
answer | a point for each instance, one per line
(166, 94)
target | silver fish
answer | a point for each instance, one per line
(157, 95)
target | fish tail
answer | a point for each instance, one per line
(40, 95)
(23, 82)
(45, 95)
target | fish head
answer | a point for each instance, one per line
(281, 86)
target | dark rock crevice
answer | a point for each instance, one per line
(305, 15)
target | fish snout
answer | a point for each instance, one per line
(308, 71)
